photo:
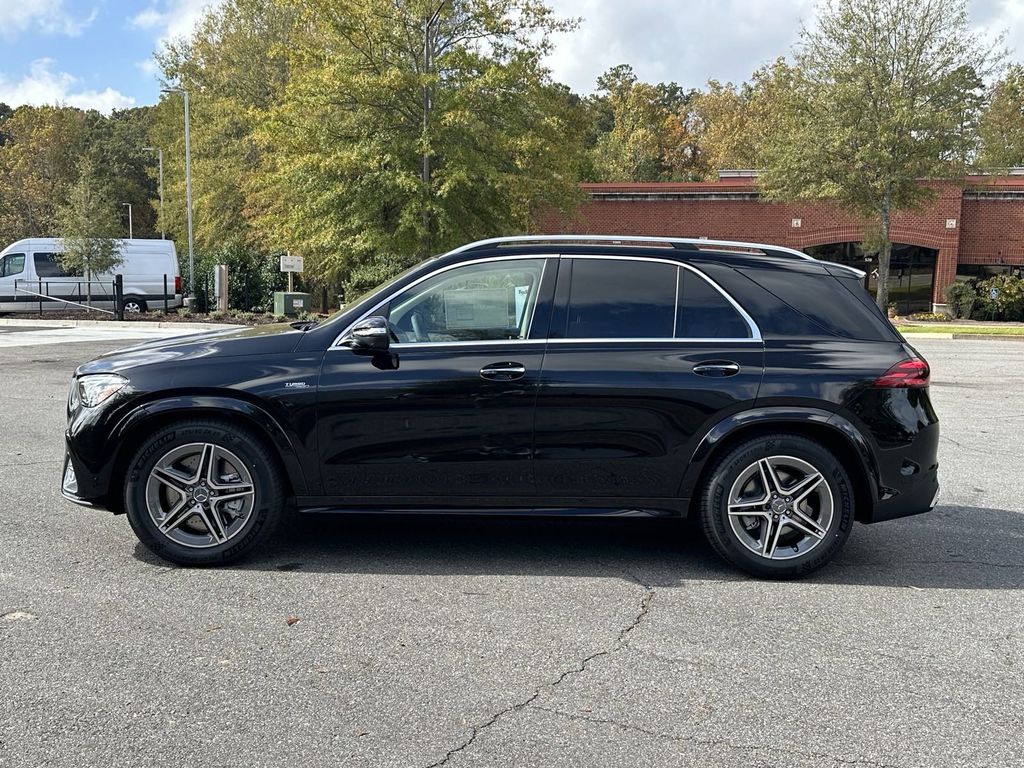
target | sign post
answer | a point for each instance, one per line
(291, 264)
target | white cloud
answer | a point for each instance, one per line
(690, 42)
(171, 18)
(48, 16)
(44, 86)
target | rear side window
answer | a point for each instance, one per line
(12, 264)
(48, 266)
(616, 299)
(704, 313)
(822, 298)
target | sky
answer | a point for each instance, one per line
(98, 54)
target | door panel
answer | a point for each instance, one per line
(447, 413)
(621, 419)
(433, 428)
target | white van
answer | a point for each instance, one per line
(31, 277)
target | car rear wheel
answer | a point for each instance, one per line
(203, 493)
(778, 506)
(133, 305)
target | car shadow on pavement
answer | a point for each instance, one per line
(949, 548)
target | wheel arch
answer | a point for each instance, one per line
(834, 432)
(132, 431)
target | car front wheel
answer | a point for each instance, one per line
(777, 506)
(203, 493)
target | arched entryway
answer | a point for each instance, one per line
(911, 271)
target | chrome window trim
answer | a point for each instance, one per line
(378, 305)
(755, 336)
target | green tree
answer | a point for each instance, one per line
(1002, 124)
(235, 67)
(408, 127)
(90, 225)
(40, 148)
(642, 131)
(884, 93)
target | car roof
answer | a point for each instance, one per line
(685, 250)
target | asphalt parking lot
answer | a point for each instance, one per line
(469, 642)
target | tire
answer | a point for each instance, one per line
(215, 487)
(795, 523)
(133, 305)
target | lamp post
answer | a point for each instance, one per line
(188, 194)
(131, 233)
(160, 156)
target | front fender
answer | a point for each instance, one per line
(219, 405)
(804, 419)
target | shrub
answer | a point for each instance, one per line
(933, 317)
(1008, 303)
(962, 298)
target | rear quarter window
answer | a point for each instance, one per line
(823, 299)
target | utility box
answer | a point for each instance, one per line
(291, 303)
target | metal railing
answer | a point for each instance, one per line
(116, 294)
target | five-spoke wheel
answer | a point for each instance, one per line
(200, 495)
(203, 492)
(777, 506)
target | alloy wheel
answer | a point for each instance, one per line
(780, 507)
(200, 495)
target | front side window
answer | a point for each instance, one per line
(618, 299)
(47, 266)
(12, 264)
(491, 301)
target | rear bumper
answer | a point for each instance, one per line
(920, 497)
(908, 477)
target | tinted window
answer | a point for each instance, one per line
(614, 299)
(822, 299)
(12, 264)
(704, 313)
(48, 266)
(477, 302)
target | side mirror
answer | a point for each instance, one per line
(372, 333)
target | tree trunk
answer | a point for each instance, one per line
(88, 286)
(884, 253)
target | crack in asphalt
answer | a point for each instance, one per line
(707, 741)
(619, 643)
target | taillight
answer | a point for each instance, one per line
(913, 374)
(177, 283)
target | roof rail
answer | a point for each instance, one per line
(682, 243)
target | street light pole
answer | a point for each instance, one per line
(160, 156)
(188, 195)
(131, 233)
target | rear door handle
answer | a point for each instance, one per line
(503, 371)
(717, 368)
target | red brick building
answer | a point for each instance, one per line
(967, 231)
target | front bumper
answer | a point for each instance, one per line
(69, 484)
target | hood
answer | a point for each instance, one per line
(232, 342)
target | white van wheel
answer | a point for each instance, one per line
(133, 305)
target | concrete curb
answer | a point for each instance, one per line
(138, 324)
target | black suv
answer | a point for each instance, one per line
(752, 386)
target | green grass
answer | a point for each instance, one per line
(966, 330)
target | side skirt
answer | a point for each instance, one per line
(606, 507)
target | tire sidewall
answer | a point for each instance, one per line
(715, 515)
(267, 487)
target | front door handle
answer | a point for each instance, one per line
(717, 368)
(503, 371)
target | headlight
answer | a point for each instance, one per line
(95, 388)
